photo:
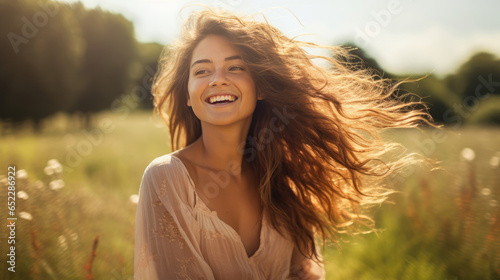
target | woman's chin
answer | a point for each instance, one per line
(225, 120)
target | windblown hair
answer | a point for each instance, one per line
(314, 140)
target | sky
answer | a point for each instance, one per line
(404, 36)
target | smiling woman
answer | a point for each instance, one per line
(218, 73)
(270, 151)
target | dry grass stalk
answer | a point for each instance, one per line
(88, 265)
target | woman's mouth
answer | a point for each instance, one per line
(219, 100)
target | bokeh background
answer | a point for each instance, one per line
(76, 122)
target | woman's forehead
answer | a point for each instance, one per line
(214, 48)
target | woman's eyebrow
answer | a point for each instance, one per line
(233, 57)
(201, 61)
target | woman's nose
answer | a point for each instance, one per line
(219, 79)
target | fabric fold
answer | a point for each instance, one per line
(179, 237)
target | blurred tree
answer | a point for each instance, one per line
(434, 93)
(61, 57)
(430, 90)
(476, 81)
(479, 70)
(361, 60)
(109, 54)
(39, 59)
(149, 54)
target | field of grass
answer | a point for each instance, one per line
(79, 224)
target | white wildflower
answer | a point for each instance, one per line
(468, 154)
(25, 215)
(21, 174)
(493, 203)
(56, 184)
(62, 242)
(22, 195)
(55, 165)
(48, 170)
(134, 199)
(485, 191)
(74, 236)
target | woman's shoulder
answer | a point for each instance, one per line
(166, 175)
(166, 169)
(165, 163)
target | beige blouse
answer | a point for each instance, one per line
(179, 237)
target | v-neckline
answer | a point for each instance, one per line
(213, 212)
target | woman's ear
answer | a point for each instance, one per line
(189, 101)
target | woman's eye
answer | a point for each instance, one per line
(200, 72)
(240, 68)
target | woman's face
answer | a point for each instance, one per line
(217, 72)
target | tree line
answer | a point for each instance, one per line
(65, 57)
(470, 95)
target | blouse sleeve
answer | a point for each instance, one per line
(298, 261)
(166, 245)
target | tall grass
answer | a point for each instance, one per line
(78, 222)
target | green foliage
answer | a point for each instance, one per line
(149, 54)
(433, 92)
(95, 200)
(465, 80)
(109, 54)
(468, 96)
(64, 57)
(443, 224)
(361, 60)
(40, 59)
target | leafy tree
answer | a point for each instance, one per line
(361, 60)
(434, 93)
(61, 57)
(479, 68)
(39, 59)
(149, 54)
(477, 82)
(110, 51)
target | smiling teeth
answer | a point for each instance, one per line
(221, 98)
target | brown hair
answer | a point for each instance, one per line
(314, 140)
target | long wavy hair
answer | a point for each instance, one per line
(314, 140)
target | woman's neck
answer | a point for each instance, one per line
(221, 147)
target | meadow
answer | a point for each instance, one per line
(76, 201)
